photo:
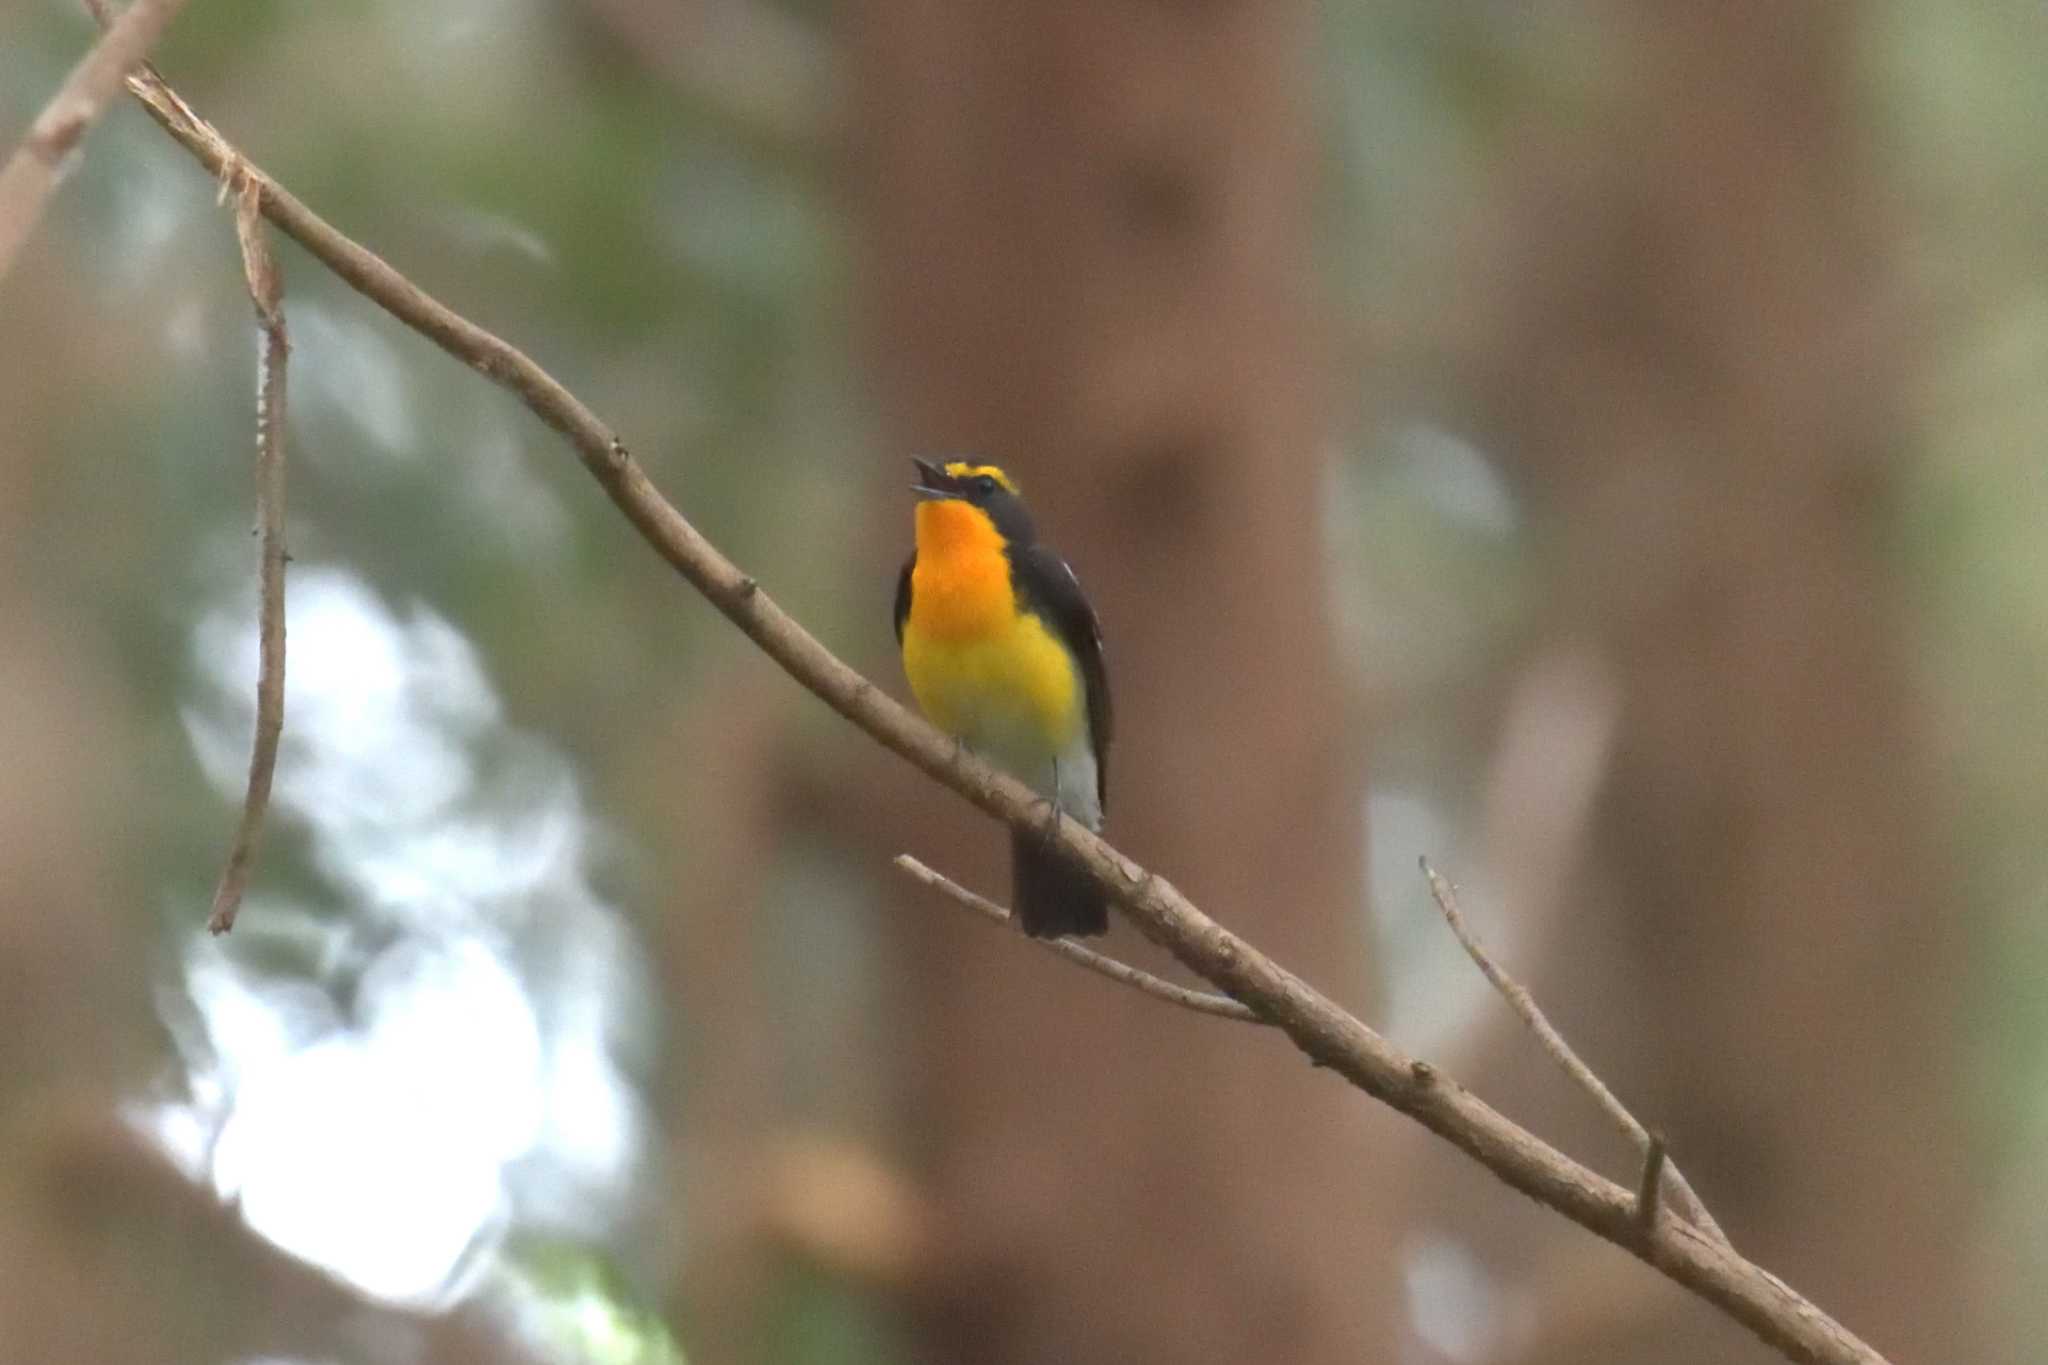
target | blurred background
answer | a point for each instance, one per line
(1595, 445)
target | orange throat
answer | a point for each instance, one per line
(961, 585)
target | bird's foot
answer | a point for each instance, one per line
(1049, 820)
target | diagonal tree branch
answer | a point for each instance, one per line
(1323, 1031)
(266, 291)
(39, 162)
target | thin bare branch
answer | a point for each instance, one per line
(29, 176)
(1323, 1031)
(1202, 1002)
(266, 292)
(1524, 1005)
(1648, 1184)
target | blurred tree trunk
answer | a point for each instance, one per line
(1086, 258)
(1689, 363)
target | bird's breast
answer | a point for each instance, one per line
(961, 596)
(997, 677)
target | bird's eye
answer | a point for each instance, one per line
(986, 486)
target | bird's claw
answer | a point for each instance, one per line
(1049, 825)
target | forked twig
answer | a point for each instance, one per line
(1524, 1005)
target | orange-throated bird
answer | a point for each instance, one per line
(1004, 653)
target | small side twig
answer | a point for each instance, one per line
(38, 163)
(1552, 1042)
(1648, 1185)
(1201, 1002)
(266, 292)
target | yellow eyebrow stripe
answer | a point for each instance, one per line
(960, 469)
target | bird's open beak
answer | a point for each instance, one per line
(934, 482)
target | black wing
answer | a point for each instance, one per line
(1047, 585)
(903, 595)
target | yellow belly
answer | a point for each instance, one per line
(1009, 689)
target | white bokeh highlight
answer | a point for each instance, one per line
(370, 1117)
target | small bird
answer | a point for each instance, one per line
(1004, 653)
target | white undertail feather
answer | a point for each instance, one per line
(1079, 792)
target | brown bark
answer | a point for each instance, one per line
(1085, 238)
(1681, 362)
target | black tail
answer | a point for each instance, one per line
(1049, 895)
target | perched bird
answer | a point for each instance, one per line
(1003, 652)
